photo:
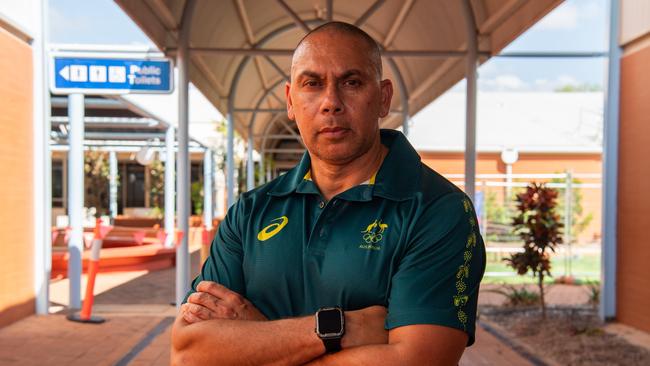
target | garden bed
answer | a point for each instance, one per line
(569, 336)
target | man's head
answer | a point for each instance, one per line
(336, 95)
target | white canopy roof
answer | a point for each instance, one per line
(241, 49)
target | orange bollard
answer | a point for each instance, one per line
(85, 316)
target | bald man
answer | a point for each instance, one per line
(360, 255)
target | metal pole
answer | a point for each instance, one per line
(568, 219)
(508, 182)
(183, 175)
(610, 169)
(75, 195)
(207, 189)
(262, 166)
(470, 112)
(42, 179)
(170, 186)
(250, 166)
(112, 166)
(230, 160)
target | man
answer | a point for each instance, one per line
(382, 249)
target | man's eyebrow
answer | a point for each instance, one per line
(345, 75)
(349, 73)
(310, 74)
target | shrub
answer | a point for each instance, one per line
(537, 224)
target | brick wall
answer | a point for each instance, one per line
(633, 272)
(16, 187)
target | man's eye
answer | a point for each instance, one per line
(352, 82)
(311, 83)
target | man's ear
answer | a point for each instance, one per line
(287, 94)
(386, 97)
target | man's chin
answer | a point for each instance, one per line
(340, 156)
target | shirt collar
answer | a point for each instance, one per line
(397, 178)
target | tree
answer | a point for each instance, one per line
(157, 186)
(539, 226)
(96, 175)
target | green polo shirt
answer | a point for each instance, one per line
(407, 239)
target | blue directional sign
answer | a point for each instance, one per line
(110, 75)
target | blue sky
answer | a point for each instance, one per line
(576, 25)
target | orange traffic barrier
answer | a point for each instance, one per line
(179, 237)
(206, 236)
(55, 234)
(85, 316)
(161, 236)
(138, 236)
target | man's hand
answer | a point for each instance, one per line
(214, 301)
(364, 327)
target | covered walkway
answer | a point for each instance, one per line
(138, 328)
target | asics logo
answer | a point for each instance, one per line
(269, 231)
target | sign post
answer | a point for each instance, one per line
(76, 74)
(75, 195)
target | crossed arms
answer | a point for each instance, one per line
(219, 326)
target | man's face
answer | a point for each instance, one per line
(335, 96)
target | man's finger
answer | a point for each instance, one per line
(205, 299)
(191, 318)
(188, 316)
(200, 311)
(206, 302)
(221, 292)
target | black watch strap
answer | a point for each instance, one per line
(332, 344)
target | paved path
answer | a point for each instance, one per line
(137, 331)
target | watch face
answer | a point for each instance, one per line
(329, 322)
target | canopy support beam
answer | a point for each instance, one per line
(75, 196)
(610, 169)
(250, 164)
(112, 183)
(470, 105)
(255, 51)
(170, 186)
(296, 19)
(183, 176)
(207, 189)
(368, 13)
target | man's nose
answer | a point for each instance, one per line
(332, 103)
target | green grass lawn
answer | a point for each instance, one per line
(584, 267)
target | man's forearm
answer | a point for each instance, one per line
(226, 342)
(377, 354)
(408, 345)
(386, 354)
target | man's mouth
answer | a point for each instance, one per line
(333, 132)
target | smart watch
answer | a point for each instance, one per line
(330, 327)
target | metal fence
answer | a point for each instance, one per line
(579, 207)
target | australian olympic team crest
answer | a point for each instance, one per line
(373, 235)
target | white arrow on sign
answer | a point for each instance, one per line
(65, 72)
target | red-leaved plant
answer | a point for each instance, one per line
(539, 227)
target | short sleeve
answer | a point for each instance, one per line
(224, 264)
(437, 280)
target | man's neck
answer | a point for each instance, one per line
(332, 179)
